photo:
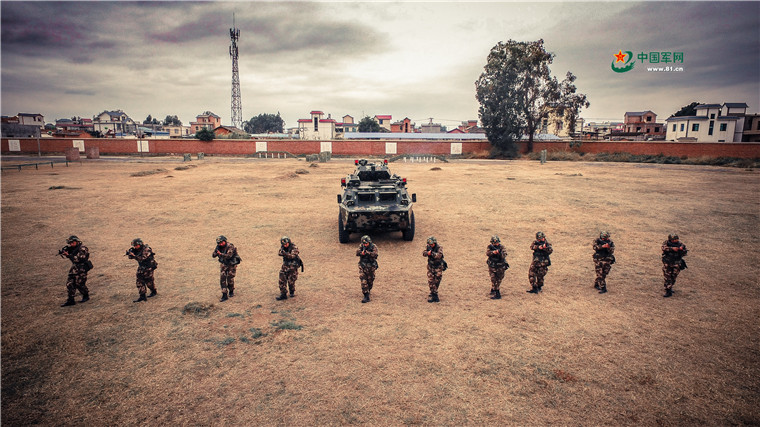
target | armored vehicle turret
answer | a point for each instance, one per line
(374, 200)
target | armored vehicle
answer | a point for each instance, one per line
(374, 200)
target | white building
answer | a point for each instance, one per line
(113, 122)
(317, 127)
(31, 119)
(711, 123)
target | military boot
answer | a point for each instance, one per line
(282, 297)
(232, 293)
(603, 290)
(668, 293)
(152, 293)
(596, 286)
(224, 297)
(493, 292)
(496, 295)
(142, 298)
(69, 302)
(366, 297)
(85, 298)
(532, 290)
(435, 298)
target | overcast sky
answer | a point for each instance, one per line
(416, 60)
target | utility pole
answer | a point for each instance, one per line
(237, 107)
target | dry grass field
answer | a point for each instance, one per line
(567, 356)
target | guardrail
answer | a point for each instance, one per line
(419, 158)
(272, 155)
(36, 165)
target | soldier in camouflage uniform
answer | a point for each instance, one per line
(367, 254)
(146, 264)
(226, 253)
(435, 267)
(497, 265)
(673, 252)
(79, 256)
(289, 271)
(540, 264)
(604, 257)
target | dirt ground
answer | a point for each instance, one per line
(568, 356)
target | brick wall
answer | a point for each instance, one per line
(377, 148)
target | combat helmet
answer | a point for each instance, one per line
(432, 241)
(540, 235)
(495, 239)
(221, 239)
(366, 239)
(284, 239)
(604, 235)
(137, 241)
(73, 238)
(673, 237)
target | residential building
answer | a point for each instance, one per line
(178, 131)
(348, 125)
(317, 127)
(593, 130)
(711, 123)
(35, 119)
(113, 123)
(74, 125)
(751, 128)
(230, 131)
(643, 123)
(15, 130)
(403, 126)
(207, 120)
(384, 121)
(432, 127)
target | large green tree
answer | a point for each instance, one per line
(265, 123)
(172, 121)
(687, 110)
(368, 124)
(516, 92)
(205, 134)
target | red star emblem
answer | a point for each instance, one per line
(620, 56)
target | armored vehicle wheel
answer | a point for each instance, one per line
(343, 234)
(408, 234)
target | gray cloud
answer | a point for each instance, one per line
(67, 58)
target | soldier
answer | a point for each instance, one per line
(540, 264)
(435, 267)
(146, 264)
(673, 252)
(79, 256)
(289, 271)
(497, 265)
(228, 258)
(367, 254)
(604, 257)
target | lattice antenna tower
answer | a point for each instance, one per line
(237, 106)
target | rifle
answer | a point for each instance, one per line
(63, 253)
(300, 263)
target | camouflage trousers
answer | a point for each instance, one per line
(434, 278)
(497, 275)
(536, 273)
(670, 271)
(288, 276)
(367, 277)
(227, 277)
(77, 280)
(145, 280)
(602, 268)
